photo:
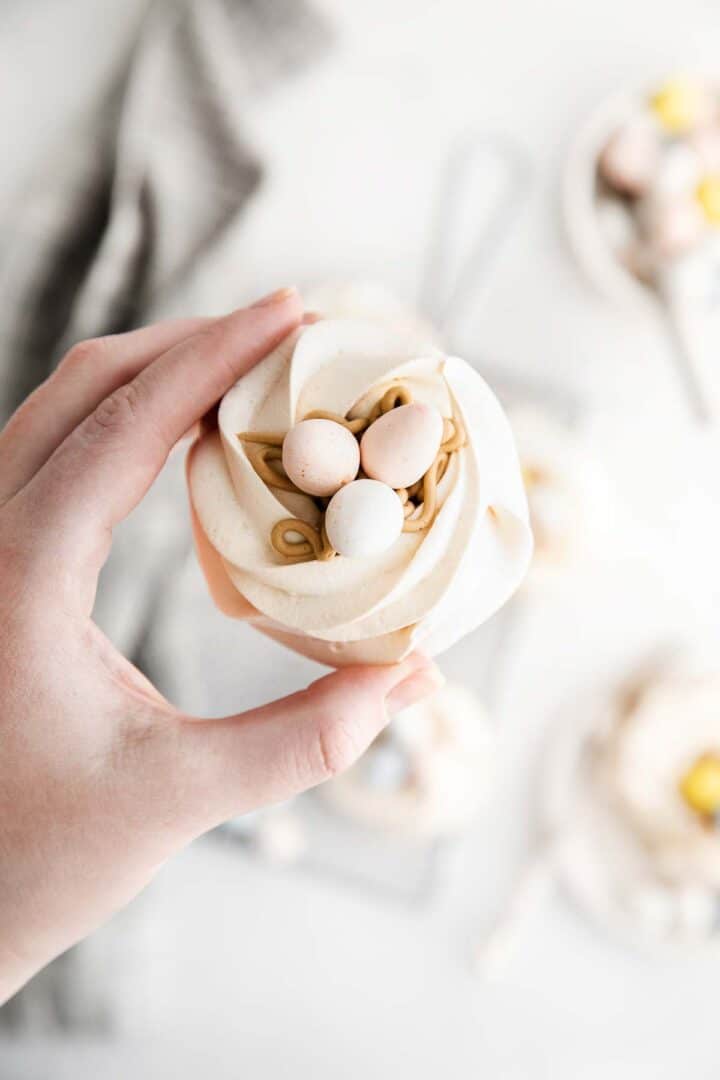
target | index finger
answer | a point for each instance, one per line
(105, 466)
(85, 376)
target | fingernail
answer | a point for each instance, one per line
(276, 297)
(421, 684)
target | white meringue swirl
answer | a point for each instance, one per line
(675, 720)
(428, 589)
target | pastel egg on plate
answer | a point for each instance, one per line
(629, 158)
(706, 144)
(399, 447)
(363, 518)
(319, 456)
(674, 226)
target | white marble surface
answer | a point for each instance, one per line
(235, 970)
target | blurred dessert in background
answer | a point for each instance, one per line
(361, 496)
(642, 207)
(427, 774)
(276, 834)
(661, 762)
(636, 810)
(567, 498)
(658, 185)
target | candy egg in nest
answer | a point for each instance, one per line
(319, 456)
(363, 518)
(399, 447)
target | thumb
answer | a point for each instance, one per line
(268, 754)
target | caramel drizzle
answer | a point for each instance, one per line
(355, 426)
(315, 544)
(393, 397)
(454, 439)
(272, 477)
(420, 501)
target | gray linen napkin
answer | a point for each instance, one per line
(128, 213)
(121, 226)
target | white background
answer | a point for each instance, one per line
(233, 970)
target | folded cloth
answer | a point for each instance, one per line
(123, 224)
(131, 210)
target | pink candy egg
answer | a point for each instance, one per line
(364, 518)
(706, 143)
(319, 456)
(402, 445)
(629, 158)
(675, 226)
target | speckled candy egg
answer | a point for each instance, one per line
(629, 158)
(319, 456)
(402, 445)
(363, 518)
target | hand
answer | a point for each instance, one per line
(101, 779)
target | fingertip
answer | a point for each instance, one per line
(282, 308)
(394, 675)
(254, 331)
(421, 684)
(279, 296)
(374, 680)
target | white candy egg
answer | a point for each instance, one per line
(363, 518)
(319, 456)
(629, 158)
(402, 445)
(678, 172)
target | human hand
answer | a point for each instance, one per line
(101, 779)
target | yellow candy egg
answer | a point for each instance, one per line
(681, 104)
(708, 194)
(700, 786)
